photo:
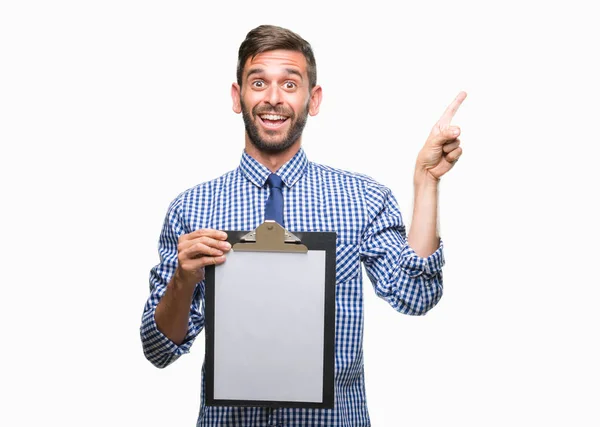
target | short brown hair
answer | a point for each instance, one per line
(269, 37)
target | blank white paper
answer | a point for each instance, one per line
(269, 326)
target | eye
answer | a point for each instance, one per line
(290, 85)
(259, 84)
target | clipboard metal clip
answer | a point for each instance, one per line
(270, 237)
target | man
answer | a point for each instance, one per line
(276, 90)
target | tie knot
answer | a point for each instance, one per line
(274, 181)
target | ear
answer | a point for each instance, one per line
(236, 98)
(315, 100)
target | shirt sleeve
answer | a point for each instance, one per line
(409, 283)
(159, 349)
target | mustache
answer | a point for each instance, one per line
(279, 110)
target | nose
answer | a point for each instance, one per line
(273, 95)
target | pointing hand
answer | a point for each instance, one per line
(442, 148)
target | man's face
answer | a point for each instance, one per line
(275, 99)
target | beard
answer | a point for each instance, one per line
(273, 147)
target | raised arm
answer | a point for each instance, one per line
(439, 154)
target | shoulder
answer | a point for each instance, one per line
(349, 178)
(205, 190)
(353, 188)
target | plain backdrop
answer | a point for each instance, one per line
(109, 109)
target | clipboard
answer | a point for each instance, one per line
(270, 320)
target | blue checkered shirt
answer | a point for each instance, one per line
(369, 228)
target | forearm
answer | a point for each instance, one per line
(173, 311)
(423, 236)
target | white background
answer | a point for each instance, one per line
(109, 109)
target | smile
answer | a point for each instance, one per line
(272, 121)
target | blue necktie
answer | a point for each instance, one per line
(274, 205)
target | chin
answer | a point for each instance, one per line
(272, 147)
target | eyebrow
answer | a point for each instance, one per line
(256, 70)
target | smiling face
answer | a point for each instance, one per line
(275, 99)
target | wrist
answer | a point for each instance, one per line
(182, 280)
(423, 179)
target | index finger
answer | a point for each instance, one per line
(208, 232)
(452, 109)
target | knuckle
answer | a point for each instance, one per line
(199, 247)
(181, 256)
(206, 261)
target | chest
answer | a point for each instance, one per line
(324, 206)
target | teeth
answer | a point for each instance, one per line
(272, 117)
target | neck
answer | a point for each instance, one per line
(273, 161)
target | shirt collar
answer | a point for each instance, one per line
(290, 172)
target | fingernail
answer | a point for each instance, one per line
(227, 245)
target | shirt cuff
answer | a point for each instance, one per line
(158, 348)
(415, 265)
